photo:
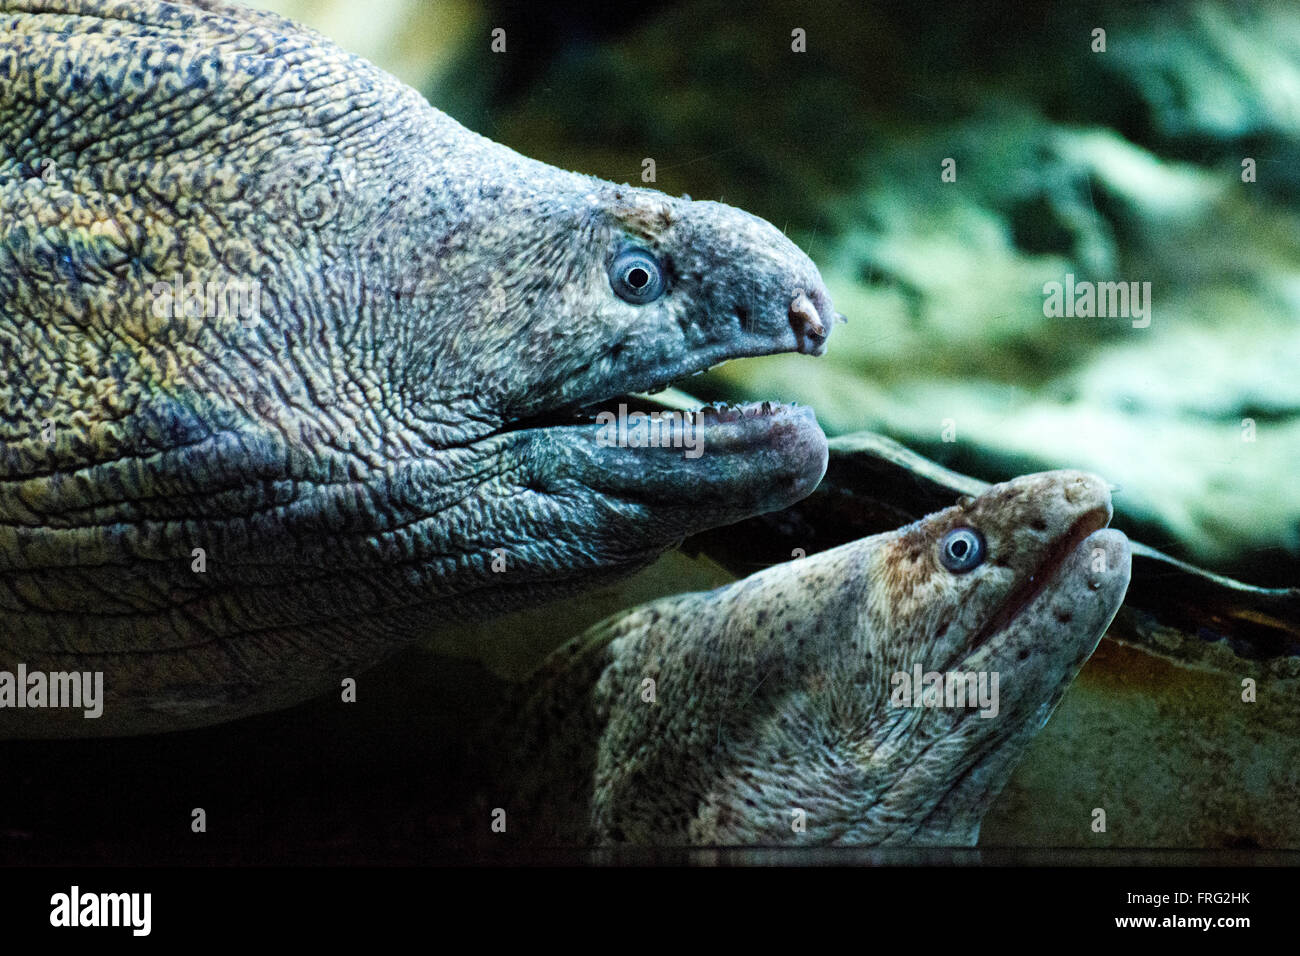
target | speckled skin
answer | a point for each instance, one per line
(773, 694)
(351, 457)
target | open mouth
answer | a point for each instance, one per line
(713, 414)
(731, 460)
(807, 333)
(1084, 526)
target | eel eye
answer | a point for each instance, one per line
(961, 550)
(636, 277)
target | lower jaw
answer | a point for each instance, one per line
(746, 459)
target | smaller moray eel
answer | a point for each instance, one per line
(776, 714)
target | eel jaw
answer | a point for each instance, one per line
(810, 320)
(1038, 652)
(609, 500)
(1066, 547)
(734, 460)
(738, 460)
(592, 496)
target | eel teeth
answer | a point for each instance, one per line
(723, 412)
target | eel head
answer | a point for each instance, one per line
(1015, 586)
(617, 291)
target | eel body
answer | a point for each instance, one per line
(877, 693)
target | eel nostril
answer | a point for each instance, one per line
(1076, 490)
(804, 318)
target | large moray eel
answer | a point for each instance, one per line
(227, 507)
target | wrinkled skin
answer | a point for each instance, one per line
(776, 693)
(352, 459)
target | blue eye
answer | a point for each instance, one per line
(636, 277)
(961, 550)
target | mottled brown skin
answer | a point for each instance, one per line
(773, 694)
(353, 459)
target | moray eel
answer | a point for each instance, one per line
(811, 703)
(227, 507)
